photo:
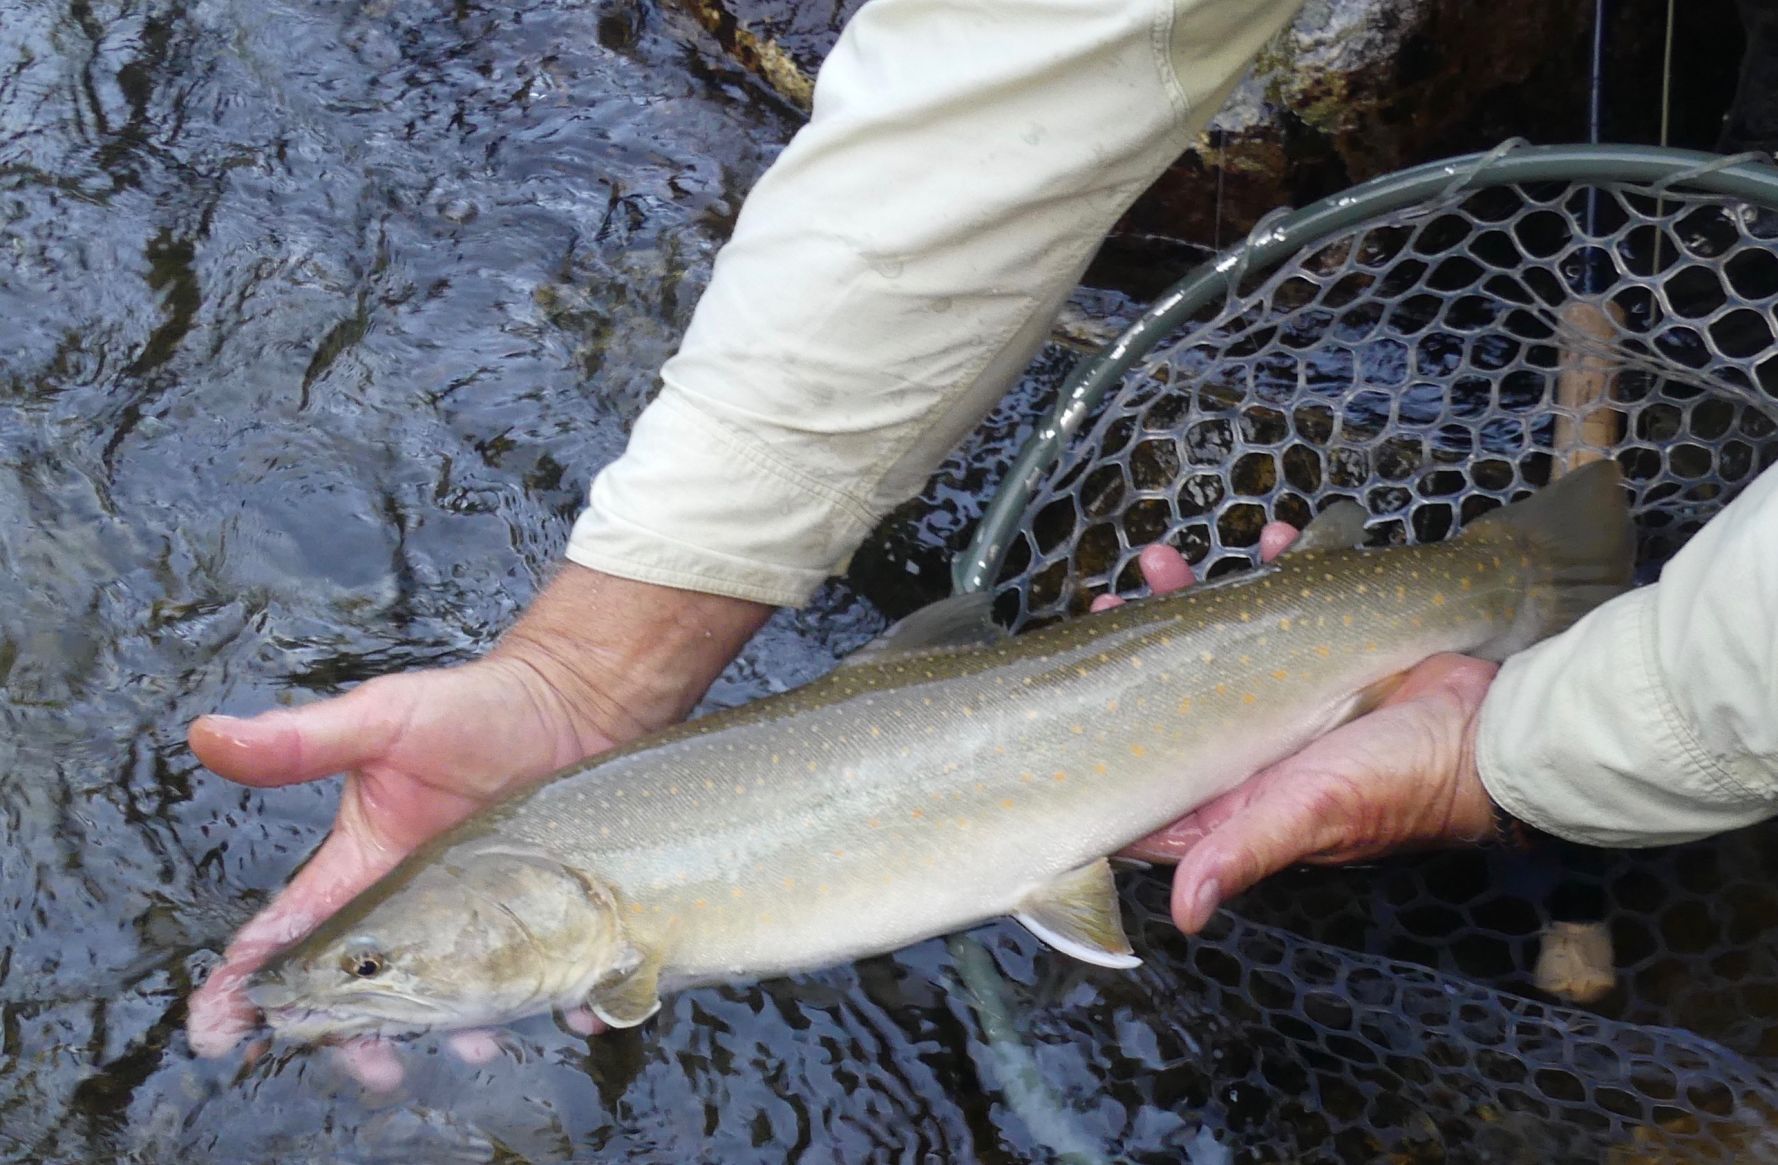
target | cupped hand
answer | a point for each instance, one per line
(596, 661)
(1401, 776)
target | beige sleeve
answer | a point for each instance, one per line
(1654, 719)
(896, 269)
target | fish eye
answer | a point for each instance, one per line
(362, 964)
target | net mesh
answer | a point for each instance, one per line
(1433, 363)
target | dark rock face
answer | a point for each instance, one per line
(1353, 89)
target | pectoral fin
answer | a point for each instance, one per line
(1078, 915)
(630, 998)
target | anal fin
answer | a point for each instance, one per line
(1078, 915)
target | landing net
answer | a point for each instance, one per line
(1435, 344)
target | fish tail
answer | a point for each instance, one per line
(1578, 545)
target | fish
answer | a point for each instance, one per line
(946, 775)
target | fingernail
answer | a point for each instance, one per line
(1208, 898)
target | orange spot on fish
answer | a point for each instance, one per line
(1323, 650)
(1111, 705)
(1438, 598)
(1280, 674)
(917, 814)
(1101, 767)
(1185, 705)
(1077, 729)
(1059, 775)
(1138, 750)
(1006, 802)
(1248, 697)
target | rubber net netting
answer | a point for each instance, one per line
(1427, 363)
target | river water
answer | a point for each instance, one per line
(315, 320)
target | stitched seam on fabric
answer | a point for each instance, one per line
(713, 584)
(1680, 728)
(896, 451)
(1166, 14)
(792, 590)
(1508, 797)
(763, 457)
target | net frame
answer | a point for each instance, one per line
(1679, 1061)
(1215, 294)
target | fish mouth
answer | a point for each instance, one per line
(299, 1015)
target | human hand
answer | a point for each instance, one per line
(1400, 776)
(595, 661)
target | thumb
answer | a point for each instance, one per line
(287, 745)
(1275, 825)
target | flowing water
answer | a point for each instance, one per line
(315, 320)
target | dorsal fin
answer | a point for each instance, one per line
(959, 621)
(1339, 527)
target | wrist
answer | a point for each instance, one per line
(623, 658)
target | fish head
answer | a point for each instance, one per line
(460, 940)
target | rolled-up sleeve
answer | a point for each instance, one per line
(895, 270)
(1654, 719)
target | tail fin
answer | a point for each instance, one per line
(1577, 534)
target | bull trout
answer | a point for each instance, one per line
(944, 776)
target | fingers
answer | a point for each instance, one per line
(373, 1063)
(476, 1046)
(1164, 569)
(581, 1021)
(287, 745)
(220, 1014)
(1274, 539)
(1265, 826)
